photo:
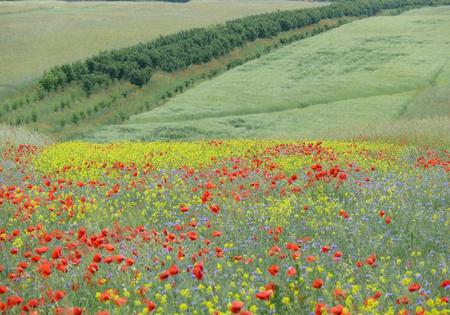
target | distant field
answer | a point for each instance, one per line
(377, 70)
(36, 35)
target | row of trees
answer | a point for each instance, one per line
(178, 51)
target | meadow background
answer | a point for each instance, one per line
(36, 35)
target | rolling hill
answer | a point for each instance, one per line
(384, 71)
(36, 35)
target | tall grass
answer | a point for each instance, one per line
(418, 131)
(10, 135)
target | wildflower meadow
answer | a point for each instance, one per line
(224, 227)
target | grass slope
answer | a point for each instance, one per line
(36, 35)
(54, 115)
(376, 70)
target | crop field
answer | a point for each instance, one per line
(385, 69)
(248, 227)
(36, 35)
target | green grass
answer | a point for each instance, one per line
(54, 114)
(15, 135)
(36, 35)
(380, 70)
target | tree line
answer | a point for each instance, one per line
(200, 45)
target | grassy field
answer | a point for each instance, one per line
(55, 113)
(386, 69)
(36, 35)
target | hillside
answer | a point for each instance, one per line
(39, 34)
(386, 69)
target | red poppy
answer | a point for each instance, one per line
(317, 283)
(320, 308)
(150, 305)
(45, 269)
(445, 283)
(214, 208)
(291, 272)
(292, 247)
(206, 196)
(371, 260)
(184, 208)
(57, 252)
(343, 213)
(273, 270)
(337, 310)
(120, 301)
(388, 220)
(3, 289)
(13, 301)
(414, 287)
(236, 306)
(264, 295)
(198, 270)
(163, 275)
(41, 250)
(173, 270)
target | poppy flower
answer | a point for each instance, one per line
(445, 283)
(337, 310)
(57, 252)
(173, 270)
(150, 305)
(13, 301)
(337, 255)
(3, 289)
(343, 214)
(184, 208)
(388, 220)
(206, 196)
(273, 270)
(163, 275)
(198, 270)
(371, 260)
(320, 308)
(45, 269)
(264, 295)
(325, 249)
(41, 250)
(291, 272)
(414, 287)
(214, 208)
(236, 306)
(317, 283)
(33, 303)
(121, 301)
(292, 247)
(403, 300)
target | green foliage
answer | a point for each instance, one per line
(342, 83)
(178, 51)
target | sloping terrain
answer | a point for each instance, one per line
(36, 35)
(379, 69)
